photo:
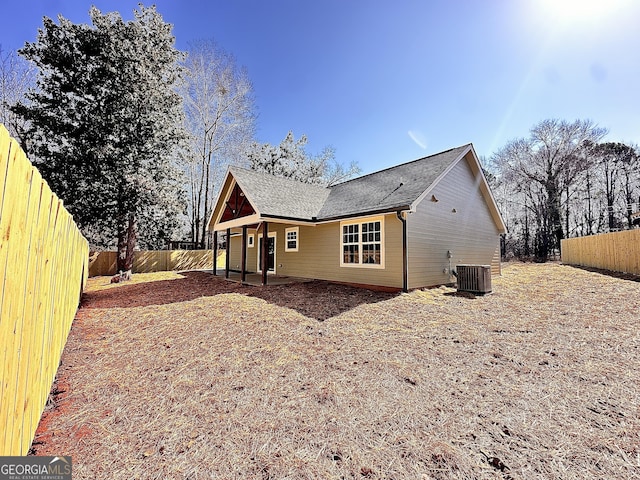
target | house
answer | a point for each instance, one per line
(404, 227)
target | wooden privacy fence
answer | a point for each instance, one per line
(617, 251)
(104, 263)
(43, 269)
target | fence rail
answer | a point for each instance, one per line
(104, 263)
(617, 251)
(43, 269)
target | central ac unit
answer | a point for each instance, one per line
(474, 278)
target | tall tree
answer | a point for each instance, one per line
(290, 159)
(544, 167)
(220, 119)
(607, 165)
(629, 164)
(106, 121)
(16, 77)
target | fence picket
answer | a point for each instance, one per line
(104, 263)
(616, 251)
(43, 267)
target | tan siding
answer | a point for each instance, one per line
(235, 252)
(318, 255)
(252, 253)
(469, 233)
(235, 258)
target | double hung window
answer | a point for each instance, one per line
(361, 243)
(291, 244)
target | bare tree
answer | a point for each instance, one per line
(220, 119)
(629, 161)
(543, 167)
(607, 165)
(16, 77)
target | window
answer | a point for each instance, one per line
(291, 240)
(371, 243)
(350, 244)
(361, 243)
(250, 240)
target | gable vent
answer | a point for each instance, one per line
(474, 278)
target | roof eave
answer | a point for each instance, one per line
(366, 213)
(210, 222)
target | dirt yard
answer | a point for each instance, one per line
(192, 377)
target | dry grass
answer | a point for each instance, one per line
(537, 380)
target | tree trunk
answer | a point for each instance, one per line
(610, 212)
(206, 203)
(127, 237)
(526, 236)
(590, 220)
(550, 225)
(566, 227)
(628, 193)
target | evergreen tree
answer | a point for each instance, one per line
(105, 123)
(290, 159)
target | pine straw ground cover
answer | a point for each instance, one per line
(193, 377)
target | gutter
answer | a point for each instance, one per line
(405, 253)
(366, 213)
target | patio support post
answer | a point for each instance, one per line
(243, 266)
(265, 250)
(215, 253)
(226, 264)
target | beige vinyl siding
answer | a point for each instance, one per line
(459, 222)
(319, 254)
(235, 257)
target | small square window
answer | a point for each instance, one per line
(291, 239)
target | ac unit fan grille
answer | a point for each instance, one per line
(474, 278)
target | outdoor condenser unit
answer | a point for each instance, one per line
(474, 278)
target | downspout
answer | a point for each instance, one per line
(405, 253)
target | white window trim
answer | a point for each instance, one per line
(286, 239)
(360, 221)
(275, 253)
(250, 240)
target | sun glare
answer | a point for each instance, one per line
(581, 11)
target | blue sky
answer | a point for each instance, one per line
(385, 82)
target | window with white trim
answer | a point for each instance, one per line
(351, 243)
(361, 243)
(291, 239)
(371, 242)
(250, 240)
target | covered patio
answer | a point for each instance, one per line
(255, 279)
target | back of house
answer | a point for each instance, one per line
(404, 227)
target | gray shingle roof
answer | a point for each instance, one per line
(280, 197)
(393, 188)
